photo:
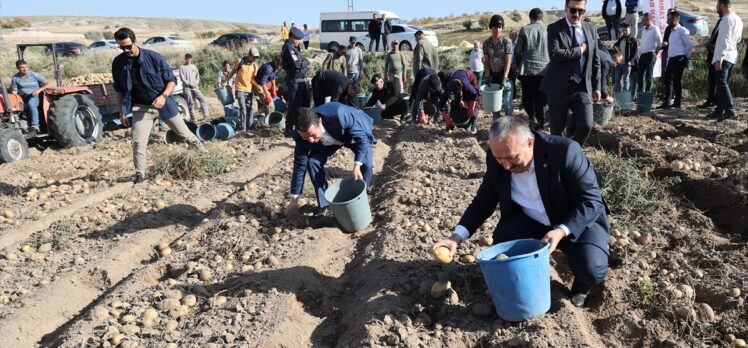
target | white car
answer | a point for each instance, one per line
(404, 34)
(169, 41)
(102, 45)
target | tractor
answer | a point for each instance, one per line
(66, 113)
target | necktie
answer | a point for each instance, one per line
(576, 68)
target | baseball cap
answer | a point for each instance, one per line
(352, 39)
(254, 52)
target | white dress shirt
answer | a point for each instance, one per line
(730, 33)
(476, 60)
(680, 43)
(651, 39)
(327, 139)
(526, 193)
(581, 38)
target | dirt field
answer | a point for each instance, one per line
(237, 272)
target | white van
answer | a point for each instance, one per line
(337, 27)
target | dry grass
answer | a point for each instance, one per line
(191, 165)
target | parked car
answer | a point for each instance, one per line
(169, 41)
(696, 25)
(103, 45)
(404, 34)
(235, 40)
(66, 49)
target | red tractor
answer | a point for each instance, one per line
(66, 113)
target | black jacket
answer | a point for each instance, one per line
(330, 83)
(374, 28)
(631, 53)
(619, 10)
(394, 104)
(387, 27)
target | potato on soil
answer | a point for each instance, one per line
(440, 289)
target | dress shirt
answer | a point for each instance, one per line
(526, 193)
(730, 34)
(651, 39)
(581, 38)
(680, 43)
(327, 139)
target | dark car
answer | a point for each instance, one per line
(234, 40)
(67, 49)
(696, 25)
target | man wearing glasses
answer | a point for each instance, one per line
(572, 80)
(144, 83)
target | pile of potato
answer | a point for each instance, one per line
(90, 79)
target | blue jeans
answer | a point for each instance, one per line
(354, 76)
(725, 102)
(32, 105)
(508, 97)
(246, 119)
(622, 78)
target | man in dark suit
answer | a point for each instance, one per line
(375, 30)
(546, 189)
(385, 30)
(320, 132)
(573, 75)
(330, 83)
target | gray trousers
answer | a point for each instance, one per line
(143, 119)
(192, 94)
(397, 80)
(246, 117)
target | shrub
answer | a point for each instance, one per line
(93, 35)
(453, 59)
(485, 20)
(108, 35)
(516, 16)
(468, 24)
(15, 22)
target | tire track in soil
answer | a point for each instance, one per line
(47, 313)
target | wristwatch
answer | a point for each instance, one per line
(165, 96)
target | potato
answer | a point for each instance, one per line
(172, 325)
(685, 312)
(26, 248)
(127, 319)
(442, 255)
(644, 239)
(739, 342)
(150, 314)
(426, 228)
(220, 301)
(705, 311)
(486, 241)
(160, 204)
(189, 300)
(468, 259)
(440, 289)
(117, 339)
(8, 214)
(166, 252)
(206, 275)
(688, 292)
(734, 292)
(162, 246)
(501, 257)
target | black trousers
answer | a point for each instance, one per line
(646, 70)
(306, 45)
(578, 100)
(384, 42)
(400, 107)
(711, 93)
(299, 95)
(371, 41)
(533, 100)
(588, 262)
(674, 79)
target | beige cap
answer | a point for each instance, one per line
(254, 52)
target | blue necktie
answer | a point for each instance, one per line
(576, 67)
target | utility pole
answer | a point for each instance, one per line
(2, 42)
(350, 5)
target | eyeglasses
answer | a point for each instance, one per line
(579, 11)
(126, 48)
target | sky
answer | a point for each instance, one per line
(264, 11)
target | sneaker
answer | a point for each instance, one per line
(139, 178)
(34, 129)
(579, 299)
(474, 129)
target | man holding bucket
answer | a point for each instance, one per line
(546, 189)
(320, 132)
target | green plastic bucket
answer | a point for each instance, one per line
(349, 204)
(644, 102)
(602, 113)
(492, 97)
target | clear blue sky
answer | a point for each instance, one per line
(272, 12)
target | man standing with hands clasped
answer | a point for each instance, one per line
(725, 57)
(546, 189)
(572, 80)
(144, 83)
(320, 132)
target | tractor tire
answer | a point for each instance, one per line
(13, 146)
(184, 108)
(75, 121)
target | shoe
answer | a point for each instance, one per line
(139, 178)
(676, 106)
(728, 115)
(474, 129)
(713, 114)
(34, 129)
(579, 299)
(664, 106)
(706, 105)
(324, 212)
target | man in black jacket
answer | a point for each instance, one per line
(629, 47)
(336, 86)
(384, 93)
(612, 11)
(386, 30)
(375, 29)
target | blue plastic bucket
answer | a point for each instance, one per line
(623, 100)
(644, 102)
(349, 204)
(192, 126)
(224, 131)
(602, 113)
(206, 132)
(276, 119)
(224, 95)
(375, 113)
(492, 95)
(231, 111)
(361, 99)
(520, 285)
(280, 106)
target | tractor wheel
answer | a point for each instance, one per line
(184, 108)
(75, 120)
(13, 146)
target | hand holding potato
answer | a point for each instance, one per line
(450, 243)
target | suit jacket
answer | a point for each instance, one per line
(606, 61)
(374, 28)
(619, 9)
(568, 187)
(387, 27)
(346, 124)
(563, 54)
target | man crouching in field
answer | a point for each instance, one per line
(144, 82)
